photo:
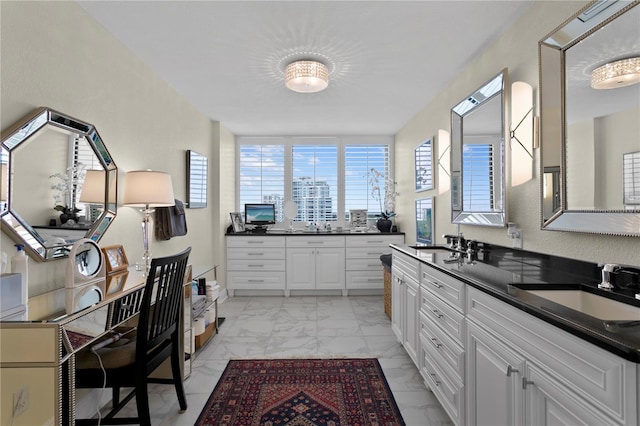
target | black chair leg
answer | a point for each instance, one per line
(142, 402)
(115, 396)
(177, 375)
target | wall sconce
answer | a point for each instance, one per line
(147, 189)
(444, 161)
(523, 130)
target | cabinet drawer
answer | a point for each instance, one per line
(446, 287)
(449, 392)
(256, 265)
(246, 241)
(406, 265)
(365, 279)
(372, 253)
(438, 342)
(375, 241)
(315, 241)
(589, 371)
(372, 264)
(256, 281)
(442, 314)
(255, 253)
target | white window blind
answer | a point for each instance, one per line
(359, 160)
(477, 177)
(424, 166)
(261, 175)
(315, 182)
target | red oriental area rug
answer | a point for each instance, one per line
(301, 392)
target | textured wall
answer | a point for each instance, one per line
(517, 50)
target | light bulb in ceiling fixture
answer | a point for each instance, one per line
(621, 73)
(306, 76)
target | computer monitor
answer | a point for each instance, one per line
(259, 215)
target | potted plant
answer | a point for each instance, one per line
(387, 202)
(65, 186)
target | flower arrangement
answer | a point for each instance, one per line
(65, 185)
(388, 201)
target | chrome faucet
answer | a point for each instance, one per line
(607, 269)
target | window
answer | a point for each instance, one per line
(477, 177)
(261, 176)
(315, 182)
(325, 176)
(359, 160)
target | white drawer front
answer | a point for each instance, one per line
(439, 343)
(256, 265)
(449, 392)
(316, 241)
(365, 280)
(256, 281)
(406, 265)
(375, 241)
(251, 241)
(372, 264)
(442, 314)
(372, 253)
(446, 287)
(589, 371)
(255, 253)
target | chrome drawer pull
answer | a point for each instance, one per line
(315, 242)
(436, 313)
(255, 254)
(435, 284)
(373, 254)
(435, 378)
(511, 370)
(435, 343)
(255, 281)
(526, 382)
(255, 266)
(255, 242)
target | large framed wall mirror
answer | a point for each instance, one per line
(478, 156)
(196, 180)
(58, 181)
(589, 109)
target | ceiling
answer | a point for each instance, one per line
(387, 59)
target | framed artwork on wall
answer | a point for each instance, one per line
(196, 180)
(423, 160)
(424, 221)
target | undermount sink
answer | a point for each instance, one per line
(591, 304)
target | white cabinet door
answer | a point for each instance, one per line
(494, 380)
(301, 268)
(329, 268)
(549, 403)
(397, 303)
(411, 318)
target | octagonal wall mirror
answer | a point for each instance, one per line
(58, 181)
(478, 156)
(590, 137)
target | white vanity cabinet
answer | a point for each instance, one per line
(405, 291)
(316, 263)
(363, 259)
(255, 263)
(442, 339)
(521, 369)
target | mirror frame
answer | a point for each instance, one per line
(23, 131)
(458, 213)
(551, 59)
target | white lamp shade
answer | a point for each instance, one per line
(93, 187)
(148, 188)
(522, 127)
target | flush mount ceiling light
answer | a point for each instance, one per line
(624, 72)
(306, 76)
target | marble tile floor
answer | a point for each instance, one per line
(320, 326)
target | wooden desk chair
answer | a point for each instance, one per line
(129, 361)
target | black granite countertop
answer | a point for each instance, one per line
(281, 233)
(507, 274)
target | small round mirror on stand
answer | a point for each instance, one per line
(85, 276)
(290, 212)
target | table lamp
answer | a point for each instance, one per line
(147, 189)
